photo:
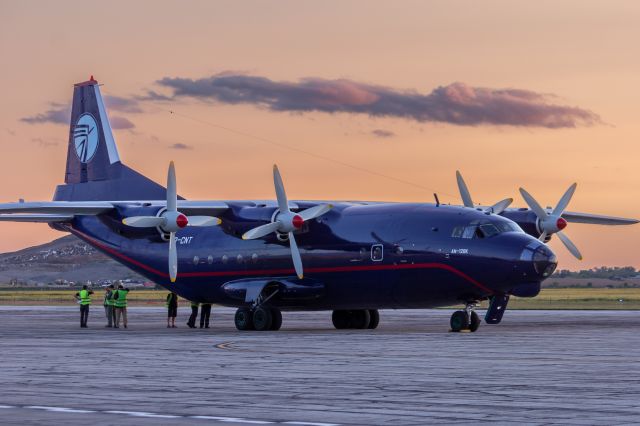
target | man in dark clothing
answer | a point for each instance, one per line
(194, 315)
(84, 298)
(205, 313)
(172, 307)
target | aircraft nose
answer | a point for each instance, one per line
(542, 258)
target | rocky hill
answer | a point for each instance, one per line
(66, 259)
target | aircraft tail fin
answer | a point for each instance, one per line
(94, 170)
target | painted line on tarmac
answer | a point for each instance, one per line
(59, 409)
(162, 416)
(225, 345)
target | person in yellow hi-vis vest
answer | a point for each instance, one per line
(120, 299)
(83, 297)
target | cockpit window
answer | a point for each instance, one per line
(478, 229)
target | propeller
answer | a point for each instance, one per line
(553, 223)
(497, 208)
(286, 221)
(171, 221)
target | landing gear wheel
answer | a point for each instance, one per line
(374, 319)
(341, 319)
(360, 319)
(244, 319)
(276, 319)
(459, 321)
(262, 318)
(474, 321)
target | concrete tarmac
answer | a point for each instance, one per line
(538, 367)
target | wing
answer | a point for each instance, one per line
(65, 211)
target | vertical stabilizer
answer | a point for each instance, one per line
(94, 170)
(92, 149)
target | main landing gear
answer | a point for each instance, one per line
(356, 319)
(466, 320)
(260, 316)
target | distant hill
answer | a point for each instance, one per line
(67, 258)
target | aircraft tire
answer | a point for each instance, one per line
(360, 319)
(459, 321)
(276, 319)
(374, 319)
(474, 321)
(243, 319)
(262, 318)
(341, 319)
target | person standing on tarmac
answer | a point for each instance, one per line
(205, 313)
(194, 315)
(84, 298)
(172, 307)
(108, 305)
(120, 298)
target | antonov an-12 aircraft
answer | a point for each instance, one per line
(263, 257)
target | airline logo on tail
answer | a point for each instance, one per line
(85, 137)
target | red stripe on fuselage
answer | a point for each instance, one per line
(262, 272)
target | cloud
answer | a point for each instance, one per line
(457, 103)
(121, 123)
(122, 104)
(180, 145)
(45, 142)
(381, 133)
(57, 114)
(61, 113)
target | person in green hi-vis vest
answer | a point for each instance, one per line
(120, 299)
(108, 303)
(172, 309)
(194, 315)
(83, 297)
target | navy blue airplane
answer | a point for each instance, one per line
(263, 257)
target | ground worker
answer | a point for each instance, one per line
(172, 307)
(112, 303)
(84, 298)
(108, 305)
(205, 313)
(194, 315)
(120, 298)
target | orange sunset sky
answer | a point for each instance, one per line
(533, 94)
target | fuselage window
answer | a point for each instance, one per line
(377, 253)
(239, 258)
(196, 260)
(210, 259)
(225, 259)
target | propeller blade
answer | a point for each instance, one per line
(464, 191)
(172, 193)
(564, 201)
(283, 203)
(261, 231)
(569, 245)
(543, 236)
(143, 221)
(313, 212)
(203, 221)
(295, 255)
(500, 206)
(533, 204)
(173, 257)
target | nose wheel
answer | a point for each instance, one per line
(465, 320)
